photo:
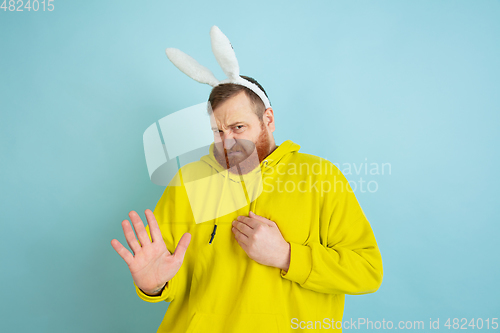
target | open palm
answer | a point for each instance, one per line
(151, 265)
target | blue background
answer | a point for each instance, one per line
(411, 83)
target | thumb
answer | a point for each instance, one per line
(261, 218)
(182, 246)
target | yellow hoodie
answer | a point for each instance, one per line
(220, 289)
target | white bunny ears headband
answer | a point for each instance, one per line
(224, 53)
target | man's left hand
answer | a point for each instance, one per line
(261, 239)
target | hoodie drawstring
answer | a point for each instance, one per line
(218, 208)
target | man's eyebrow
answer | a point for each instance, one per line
(231, 125)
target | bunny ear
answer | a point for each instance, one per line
(191, 67)
(224, 53)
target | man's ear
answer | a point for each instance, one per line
(268, 118)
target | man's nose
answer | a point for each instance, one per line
(229, 142)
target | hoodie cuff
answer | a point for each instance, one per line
(167, 293)
(300, 263)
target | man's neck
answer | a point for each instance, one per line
(271, 150)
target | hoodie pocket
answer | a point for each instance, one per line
(238, 323)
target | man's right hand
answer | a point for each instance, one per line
(151, 265)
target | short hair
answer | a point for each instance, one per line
(225, 91)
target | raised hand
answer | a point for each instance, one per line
(151, 264)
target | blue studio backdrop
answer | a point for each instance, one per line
(402, 95)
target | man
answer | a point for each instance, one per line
(282, 263)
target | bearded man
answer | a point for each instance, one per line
(233, 255)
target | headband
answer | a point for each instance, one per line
(224, 53)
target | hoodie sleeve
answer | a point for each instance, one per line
(173, 214)
(346, 258)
